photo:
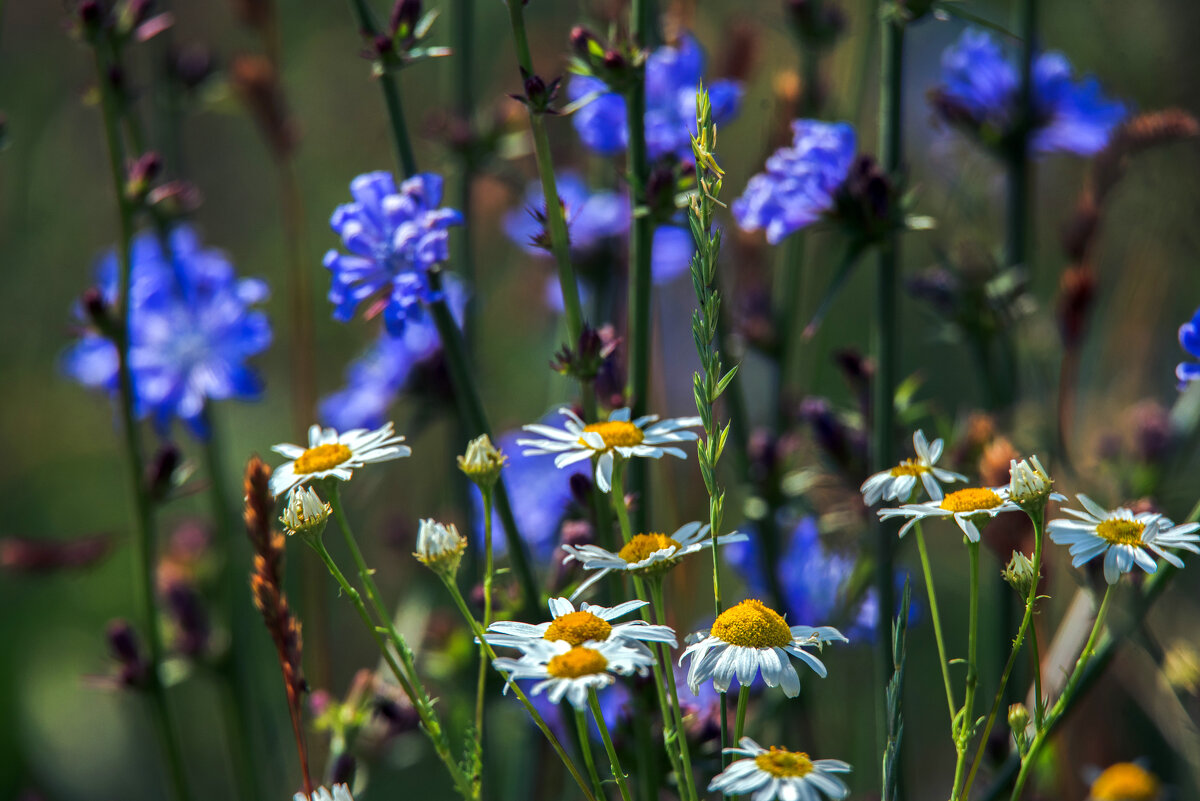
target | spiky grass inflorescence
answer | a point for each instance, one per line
(266, 586)
(895, 692)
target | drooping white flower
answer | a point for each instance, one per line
(777, 773)
(896, 483)
(333, 455)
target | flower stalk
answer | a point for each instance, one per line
(614, 762)
(966, 716)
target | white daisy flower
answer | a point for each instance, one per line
(780, 774)
(897, 483)
(750, 637)
(645, 554)
(590, 623)
(968, 507)
(340, 793)
(576, 441)
(333, 455)
(1123, 537)
(565, 670)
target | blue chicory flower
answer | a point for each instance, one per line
(801, 181)
(192, 330)
(591, 216)
(376, 378)
(981, 89)
(394, 235)
(673, 73)
(1189, 339)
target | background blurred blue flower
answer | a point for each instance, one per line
(981, 90)
(1189, 338)
(616, 704)
(192, 329)
(591, 216)
(801, 181)
(394, 237)
(376, 378)
(673, 73)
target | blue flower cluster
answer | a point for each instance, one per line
(376, 378)
(1189, 338)
(801, 182)
(192, 329)
(981, 89)
(673, 73)
(814, 580)
(394, 237)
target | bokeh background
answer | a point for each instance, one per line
(65, 736)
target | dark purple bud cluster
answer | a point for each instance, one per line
(586, 358)
(132, 667)
(538, 96)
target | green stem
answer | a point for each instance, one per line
(369, 27)
(617, 493)
(640, 243)
(585, 748)
(144, 552)
(1017, 234)
(1039, 530)
(743, 699)
(967, 721)
(1039, 709)
(935, 616)
(614, 762)
(418, 698)
(488, 565)
(538, 720)
(672, 729)
(1064, 700)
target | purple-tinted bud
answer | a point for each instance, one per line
(397, 717)
(582, 40)
(404, 16)
(90, 14)
(343, 768)
(142, 173)
(581, 488)
(382, 44)
(191, 619)
(160, 473)
(97, 311)
(175, 198)
(869, 186)
(192, 65)
(125, 648)
(614, 60)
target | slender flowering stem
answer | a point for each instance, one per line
(585, 748)
(488, 565)
(144, 552)
(538, 720)
(935, 617)
(614, 762)
(1039, 532)
(1039, 706)
(1019, 168)
(1065, 699)
(673, 729)
(967, 715)
(743, 699)
(391, 91)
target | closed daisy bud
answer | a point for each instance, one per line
(440, 547)
(1030, 486)
(1020, 574)
(1018, 724)
(305, 513)
(482, 462)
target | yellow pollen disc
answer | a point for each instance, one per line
(1125, 781)
(322, 457)
(577, 628)
(616, 433)
(1121, 532)
(784, 764)
(577, 662)
(752, 624)
(909, 468)
(975, 499)
(640, 546)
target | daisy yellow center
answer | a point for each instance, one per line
(975, 499)
(784, 764)
(578, 627)
(1125, 781)
(576, 663)
(909, 468)
(752, 624)
(322, 457)
(1121, 532)
(615, 433)
(640, 546)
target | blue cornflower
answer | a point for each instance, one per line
(981, 91)
(591, 216)
(672, 74)
(192, 329)
(814, 579)
(376, 378)
(1189, 338)
(801, 182)
(394, 237)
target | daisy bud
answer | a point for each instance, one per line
(440, 547)
(305, 513)
(1019, 574)
(1029, 484)
(482, 462)
(1018, 723)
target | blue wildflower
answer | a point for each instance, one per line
(591, 216)
(672, 74)
(394, 237)
(981, 91)
(1189, 339)
(801, 182)
(376, 378)
(616, 705)
(192, 330)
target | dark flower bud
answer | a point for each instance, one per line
(142, 173)
(191, 65)
(869, 187)
(817, 23)
(160, 473)
(126, 650)
(538, 94)
(98, 312)
(175, 199)
(91, 16)
(397, 717)
(584, 42)
(404, 17)
(191, 618)
(343, 768)
(581, 488)
(614, 60)
(382, 45)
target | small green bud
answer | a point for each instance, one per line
(1029, 484)
(482, 462)
(305, 514)
(1019, 574)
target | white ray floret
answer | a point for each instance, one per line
(568, 671)
(968, 507)
(340, 793)
(575, 627)
(333, 455)
(646, 437)
(897, 483)
(777, 773)
(1124, 537)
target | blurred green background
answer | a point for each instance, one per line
(62, 478)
